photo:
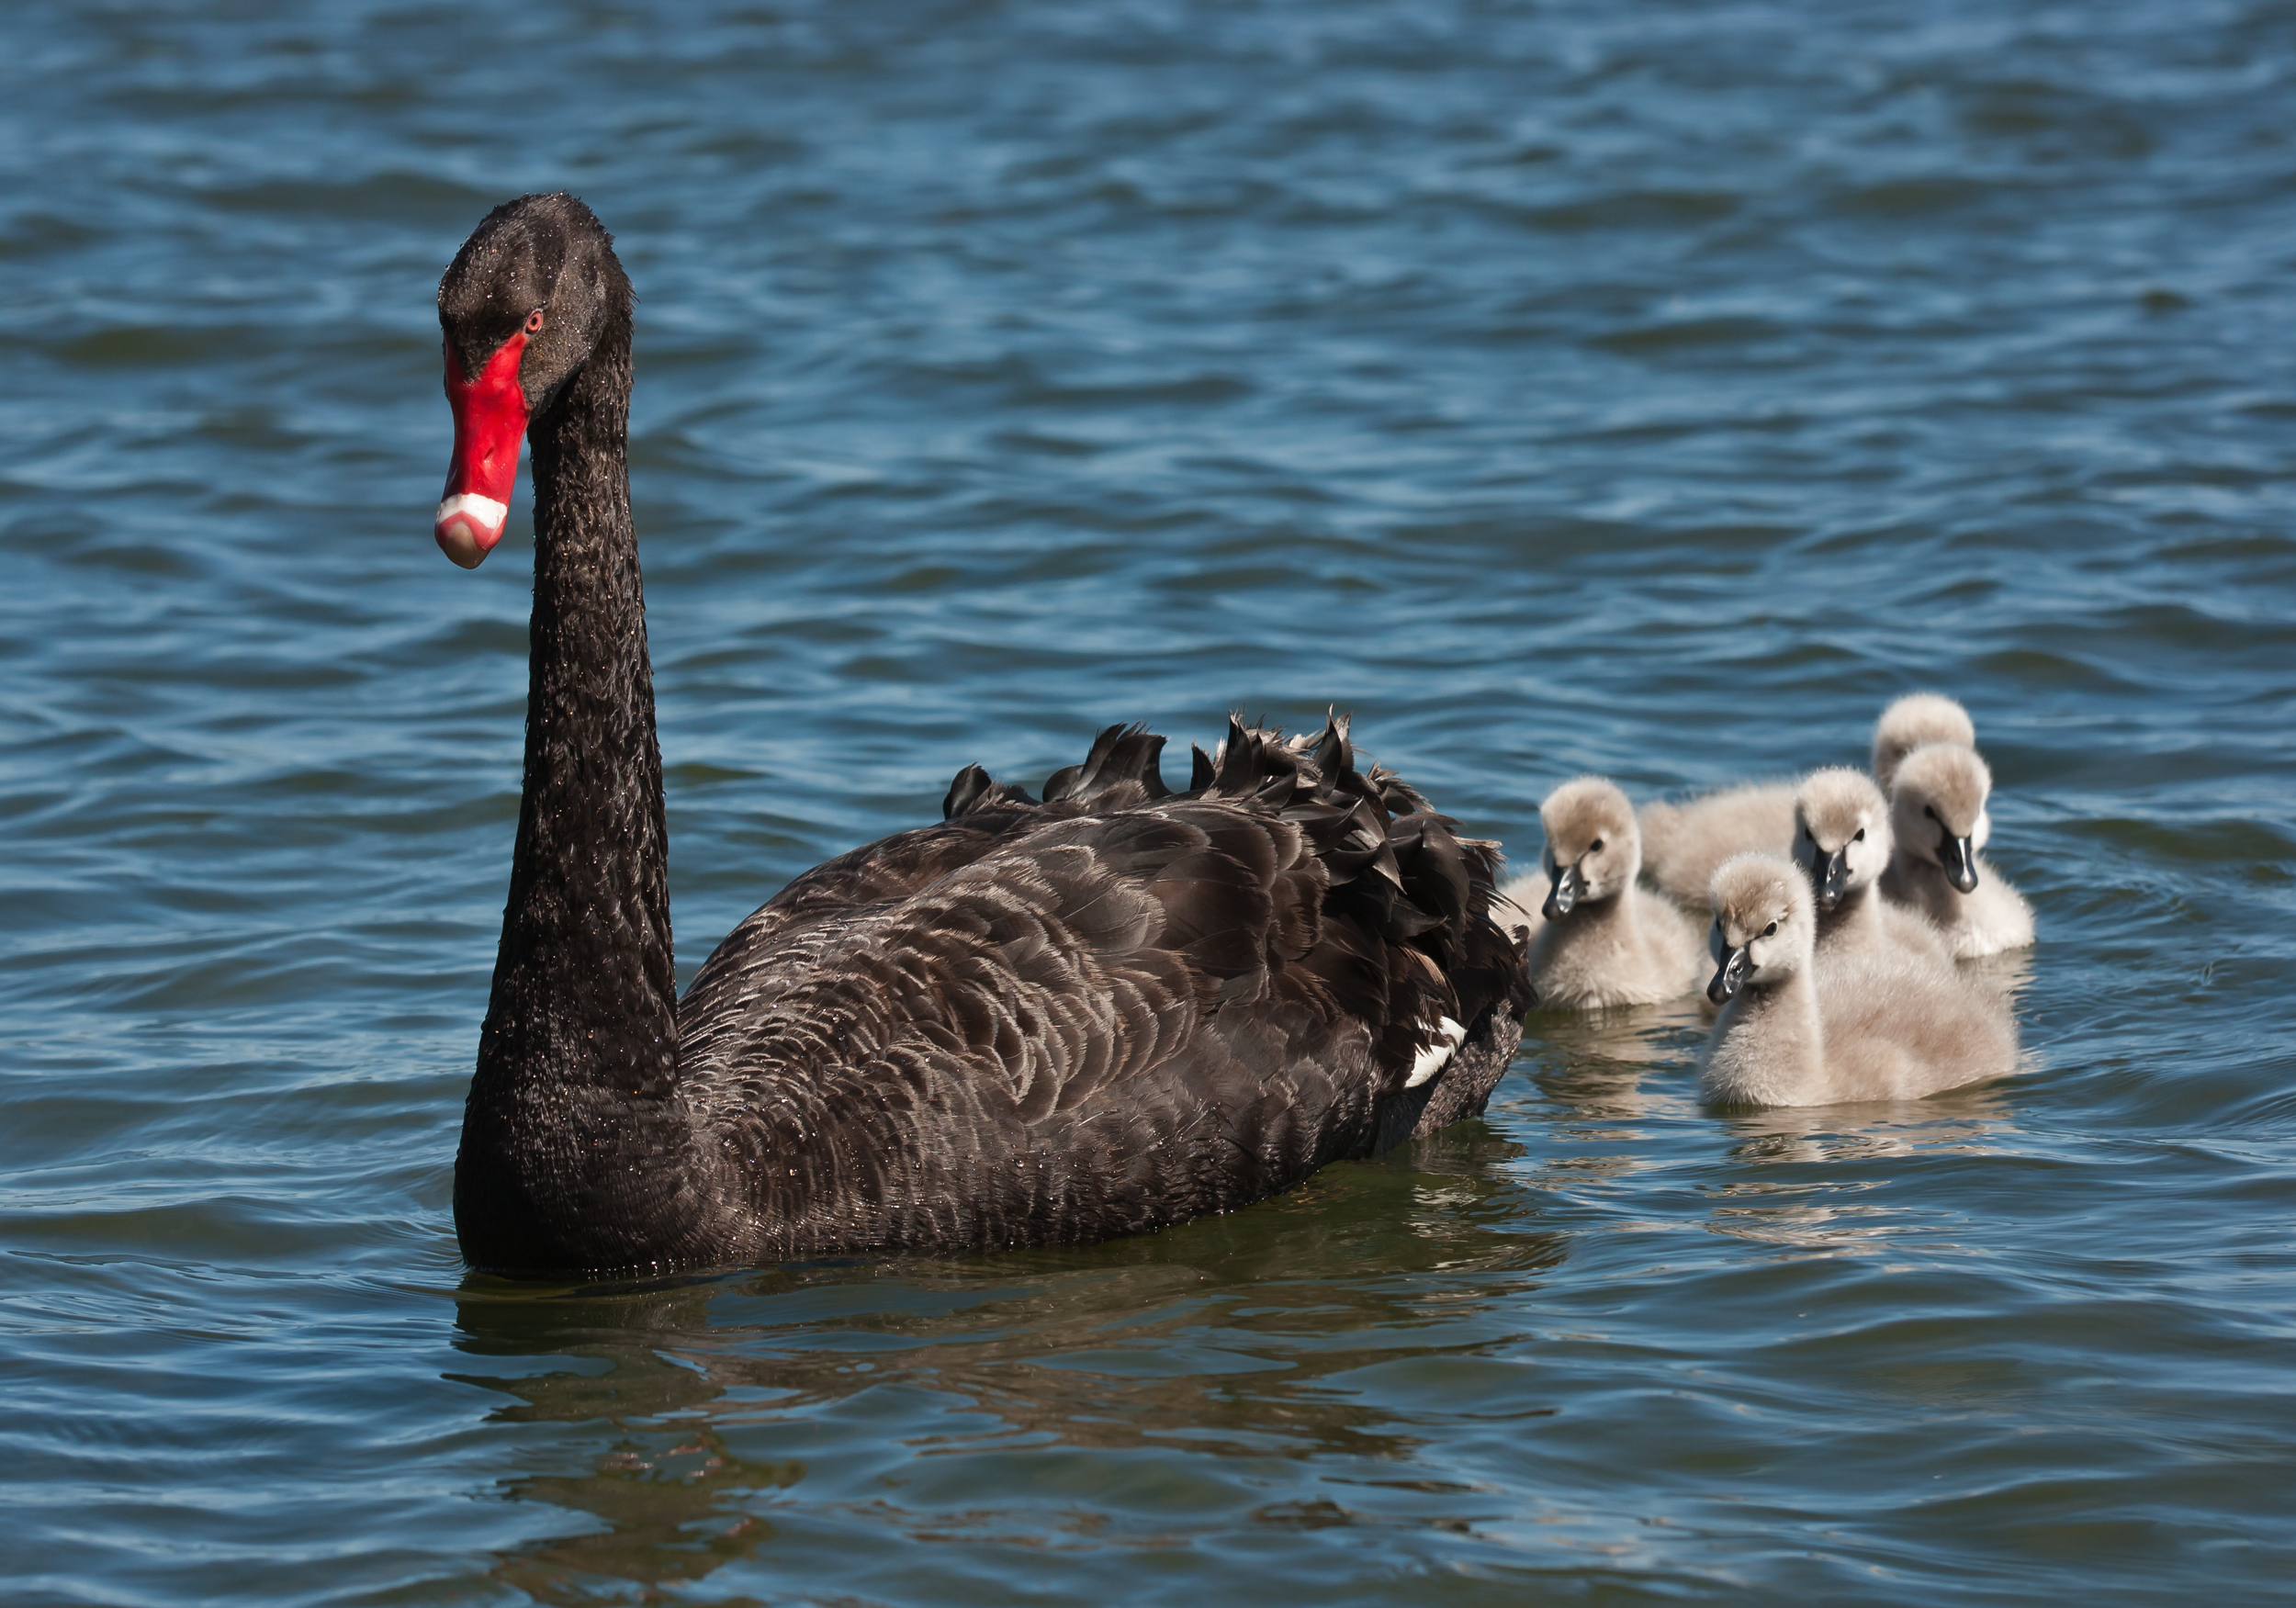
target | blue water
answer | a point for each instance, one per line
(1655, 389)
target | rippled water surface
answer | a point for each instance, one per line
(1653, 388)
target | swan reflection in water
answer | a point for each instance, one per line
(797, 1417)
(1622, 1084)
(786, 1415)
(1622, 1065)
(2009, 974)
(1826, 1212)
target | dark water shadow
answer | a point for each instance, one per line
(1219, 1339)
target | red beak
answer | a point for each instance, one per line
(489, 421)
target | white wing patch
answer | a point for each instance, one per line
(1434, 1057)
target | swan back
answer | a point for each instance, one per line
(1902, 1033)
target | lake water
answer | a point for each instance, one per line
(1652, 389)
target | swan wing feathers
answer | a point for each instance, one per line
(1149, 1003)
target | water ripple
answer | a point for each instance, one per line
(1556, 388)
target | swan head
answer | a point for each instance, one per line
(1841, 836)
(1938, 809)
(520, 307)
(1911, 720)
(1764, 923)
(1594, 848)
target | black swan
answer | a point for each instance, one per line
(1097, 1014)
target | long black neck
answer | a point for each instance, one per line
(577, 1150)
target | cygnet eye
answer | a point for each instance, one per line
(1929, 810)
(1771, 931)
(1861, 836)
(1595, 847)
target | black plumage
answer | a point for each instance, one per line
(1098, 1013)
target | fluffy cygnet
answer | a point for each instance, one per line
(1683, 843)
(1800, 1029)
(1841, 841)
(1938, 813)
(1603, 940)
(1912, 721)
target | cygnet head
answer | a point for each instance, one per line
(1765, 924)
(1841, 833)
(1594, 848)
(1913, 720)
(1938, 809)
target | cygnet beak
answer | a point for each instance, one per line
(1960, 861)
(1732, 977)
(1829, 876)
(1568, 887)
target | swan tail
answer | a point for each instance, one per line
(1406, 901)
(1387, 911)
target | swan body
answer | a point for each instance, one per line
(1800, 1028)
(1683, 843)
(1938, 817)
(1035, 1021)
(1842, 842)
(1603, 940)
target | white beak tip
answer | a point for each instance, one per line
(467, 526)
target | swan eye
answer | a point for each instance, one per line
(1771, 931)
(1929, 810)
(1860, 837)
(533, 321)
(1595, 847)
